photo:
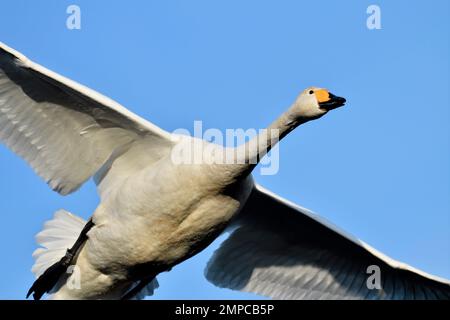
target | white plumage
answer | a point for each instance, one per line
(155, 213)
(56, 236)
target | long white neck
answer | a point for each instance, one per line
(249, 154)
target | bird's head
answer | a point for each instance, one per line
(314, 102)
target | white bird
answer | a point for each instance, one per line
(155, 213)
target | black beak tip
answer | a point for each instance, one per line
(333, 103)
(336, 98)
(341, 100)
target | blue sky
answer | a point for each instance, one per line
(378, 168)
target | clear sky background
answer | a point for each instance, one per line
(378, 168)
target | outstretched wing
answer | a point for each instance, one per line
(64, 130)
(286, 252)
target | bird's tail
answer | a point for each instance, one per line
(58, 235)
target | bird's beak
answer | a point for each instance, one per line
(332, 102)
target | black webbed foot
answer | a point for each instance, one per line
(51, 276)
(135, 290)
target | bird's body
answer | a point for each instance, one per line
(156, 211)
(148, 223)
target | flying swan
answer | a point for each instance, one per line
(155, 213)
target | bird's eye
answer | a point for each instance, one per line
(311, 91)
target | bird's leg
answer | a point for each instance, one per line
(135, 290)
(52, 275)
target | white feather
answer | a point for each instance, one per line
(58, 235)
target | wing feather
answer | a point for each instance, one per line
(65, 131)
(284, 251)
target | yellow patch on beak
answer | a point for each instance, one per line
(322, 95)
